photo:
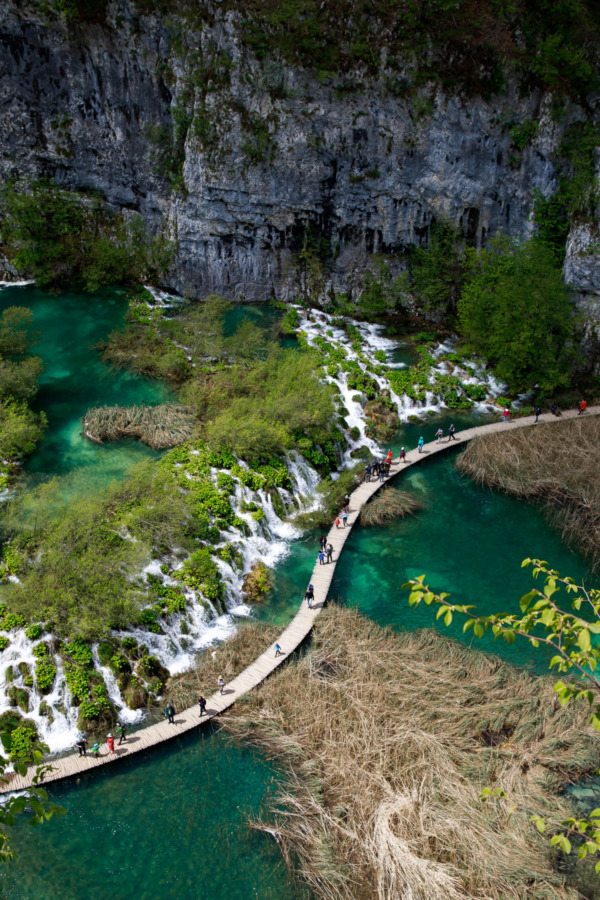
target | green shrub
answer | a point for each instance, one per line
(4, 642)
(45, 673)
(33, 632)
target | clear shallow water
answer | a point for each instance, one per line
(467, 541)
(169, 824)
(75, 378)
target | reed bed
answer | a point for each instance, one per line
(389, 504)
(555, 464)
(160, 426)
(387, 741)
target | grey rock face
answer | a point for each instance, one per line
(362, 170)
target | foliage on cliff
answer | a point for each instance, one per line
(516, 312)
(60, 237)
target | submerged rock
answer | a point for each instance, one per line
(257, 582)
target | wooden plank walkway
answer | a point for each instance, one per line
(290, 639)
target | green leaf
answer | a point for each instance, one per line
(478, 629)
(584, 640)
(448, 618)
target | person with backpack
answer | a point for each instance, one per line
(451, 431)
(122, 733)
(170, 713)
(111, 743)
(367, 472)
(81, 746)
(402, 455)
(345, 518)
(420, 444)
(202, 705)
(221, 684)
(309, 595)
(96, 750)
(439, 435)
(536, 413)
(278, 651)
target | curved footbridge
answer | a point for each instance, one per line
(290, 639)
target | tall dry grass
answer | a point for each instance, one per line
(160, 426)
(387, 740)
(556, 464)
(387, 505)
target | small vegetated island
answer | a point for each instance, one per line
(387, 742)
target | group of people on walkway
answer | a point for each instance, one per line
(81, 742)
(379, 468)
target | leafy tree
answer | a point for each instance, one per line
(35, 800)
(516, 312)
(20, 427)
(381, 293)
(437, 270)
(568, 630)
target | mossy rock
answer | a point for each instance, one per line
(360, 453)
(119, 665)
(385, 420)
(106, 651)
(46, 710)
(257, 582)
(18, 697)
(25, 671)
(135, 695)
(10, 673)
(151, 670)
(101, 723)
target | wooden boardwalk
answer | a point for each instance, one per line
(290, 639)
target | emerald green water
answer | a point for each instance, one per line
(171, 823)
(467, 541)
(74, 379)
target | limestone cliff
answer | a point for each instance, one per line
(250, 161)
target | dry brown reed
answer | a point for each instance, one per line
(557, 464)
(389, 504)
(387, 741)
(228, 660)
(160, 426)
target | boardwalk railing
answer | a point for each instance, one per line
(291, 637)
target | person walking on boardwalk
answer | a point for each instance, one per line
(367, 472)
(111, 743)
(389, 456)
(81, 746)
(439, 435)
(346, 503)
(451, 431)
(323, 541)
(420, 444)
(170, 713)
(402, 454)
(537, 412)
(221, 683)
(506, 414)
(96, 750)
(337, 523)
(321, 558)
(278, 651)
(382, 472)
(582, 407)
(202, 705)
(345, 518)
(329, 553)
(122, 733)
(309, 595)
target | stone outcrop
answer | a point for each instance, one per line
(291, 159)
